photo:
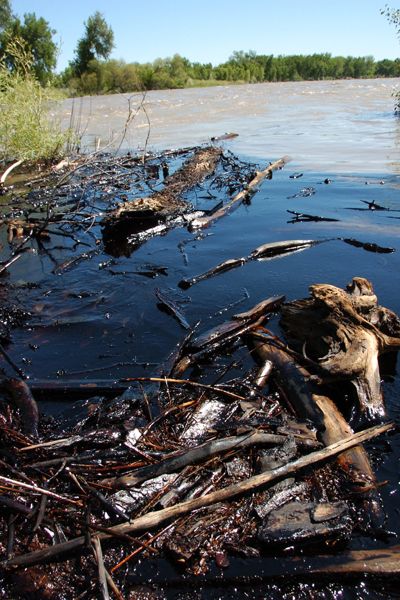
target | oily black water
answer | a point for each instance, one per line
(99, 319)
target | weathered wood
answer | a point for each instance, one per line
(157, 518)
(169, 199)
(9, 170)
(241, 196)
(200, 453)
(337, 329)
(294, 382)
(267, 251)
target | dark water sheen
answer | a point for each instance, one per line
(116, 320)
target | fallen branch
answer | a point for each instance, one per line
(198, 454)
(267, 251)
(242, 195)
(157, 518)
(8, 171)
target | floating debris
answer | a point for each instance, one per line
(369, 246)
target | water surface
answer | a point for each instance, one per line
(88, 322)
(339, 126)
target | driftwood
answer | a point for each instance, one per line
(214, 339)
(345, 332)
(200, 453)
(294, 383)
(169, 199)
(157, 518)
(241, 196)
(264, 252)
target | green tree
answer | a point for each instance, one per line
(39, 38)
(96, 43)
(6, 15)
(37, 35)
(393, 16)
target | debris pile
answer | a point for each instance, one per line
(243, 444)
(197, 472)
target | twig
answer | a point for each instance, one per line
(10, 262)
(212, 388)
(157, 518)
(148, 131)
(113, 586)
(145, 546)
(101, 568)
(35, 488)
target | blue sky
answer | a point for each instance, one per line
(210, 30)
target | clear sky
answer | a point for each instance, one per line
(210, 30)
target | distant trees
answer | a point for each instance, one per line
(247, 67)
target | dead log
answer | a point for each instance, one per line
(341, 331)
(381, 563)
(295, 384)
(244, 194)
(71, 389)
(169, 200)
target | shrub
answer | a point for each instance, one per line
(27, 131)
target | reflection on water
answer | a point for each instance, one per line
(338, 126)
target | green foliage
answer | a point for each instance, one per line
(5, 15)
(97, 42)
(38, 36)
(102, 77)
(26, 130)
(393, 16)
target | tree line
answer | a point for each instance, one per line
(242, 67)
(92, 72)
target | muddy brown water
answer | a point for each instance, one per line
(336, 126)
(90, 323)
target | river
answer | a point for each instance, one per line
(338, 126)
(99, 319)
